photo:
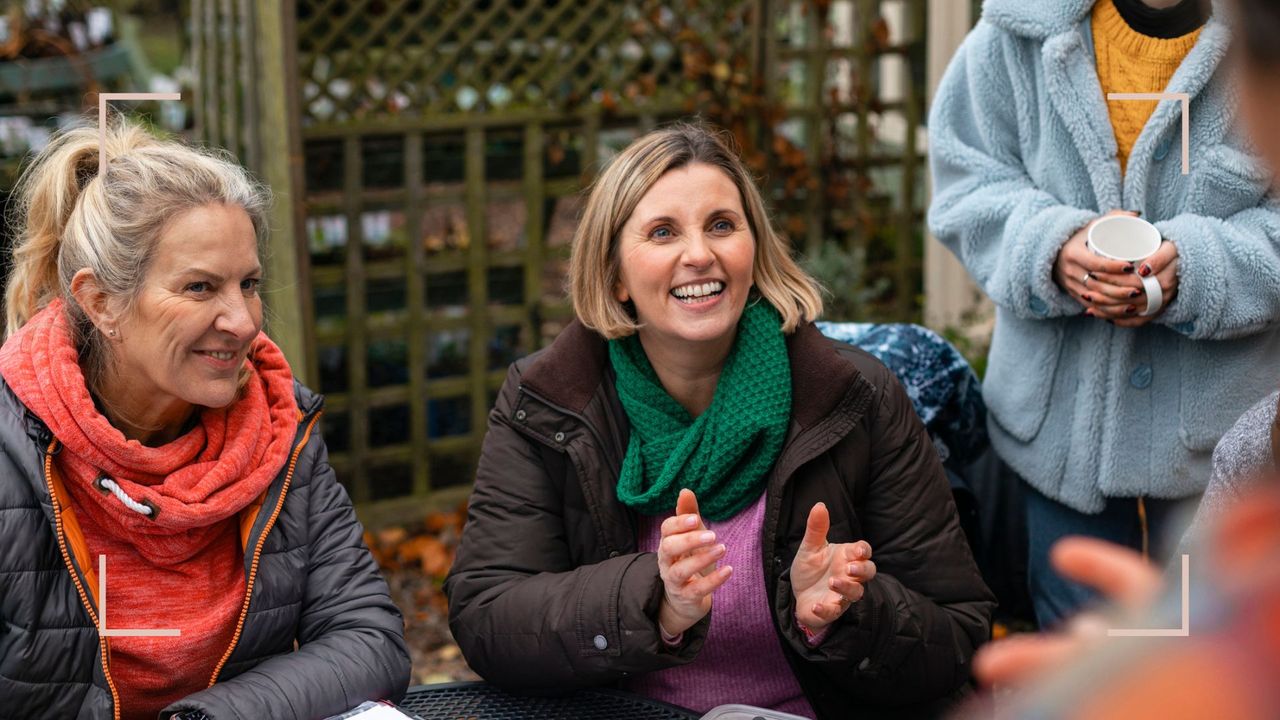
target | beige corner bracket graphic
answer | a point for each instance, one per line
(102, 117)
(103, 98)
(102, 611)
(1183, 631)
(1183, 98)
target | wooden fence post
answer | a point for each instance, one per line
(949, 293)
(278, 121)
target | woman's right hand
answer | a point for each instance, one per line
(687, 556)
(1117, 572)
(1113, 292)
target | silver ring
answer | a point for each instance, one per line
(1087, 277)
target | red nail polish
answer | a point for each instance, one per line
(1145, 271)
(1128, 268)
(1088, 297)
(1131, 309)
(1135, 293)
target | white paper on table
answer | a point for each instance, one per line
(373, 711)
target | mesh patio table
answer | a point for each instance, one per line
(481, 701)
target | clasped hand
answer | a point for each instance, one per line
(1113, 290)
(826, 578)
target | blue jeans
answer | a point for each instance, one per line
(1055, 598)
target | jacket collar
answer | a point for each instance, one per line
(1042, 19)
(1036, 19)
(1192, 77)
(1071, 81)
(570, 371)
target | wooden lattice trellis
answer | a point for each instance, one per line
(429, 156)
(369, 60)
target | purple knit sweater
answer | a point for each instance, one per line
(742, 659)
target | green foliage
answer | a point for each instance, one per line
(160, 38)
(974, 345)
(843, 275)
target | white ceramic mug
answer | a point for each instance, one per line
(1129, 239)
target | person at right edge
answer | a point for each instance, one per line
(1109, 416)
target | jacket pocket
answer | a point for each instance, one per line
(1221, 379)
(1226, 181)
(1020, 373)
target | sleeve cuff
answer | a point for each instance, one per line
(1201, 278)
(1045, 235)
(668, 639)
(811, 637)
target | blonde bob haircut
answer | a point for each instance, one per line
(594, 265)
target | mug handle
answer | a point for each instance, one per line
(1155, 296)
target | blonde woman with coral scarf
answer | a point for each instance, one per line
(145, 417)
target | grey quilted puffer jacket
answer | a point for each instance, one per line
(319, 632)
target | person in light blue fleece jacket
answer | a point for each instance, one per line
(1109, 423)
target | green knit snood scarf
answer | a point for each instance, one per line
(724, 455)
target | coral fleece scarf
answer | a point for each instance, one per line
(183, 567)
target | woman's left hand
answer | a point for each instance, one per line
(827, 579)
(1163, 264)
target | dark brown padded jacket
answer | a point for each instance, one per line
(548, 593)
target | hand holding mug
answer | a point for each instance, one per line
(1163, 266)
(687, 556)
(827, 579)
(1103, 286)
(1134, 240)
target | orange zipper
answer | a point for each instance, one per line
(66, 558)
(257, 550)
(244, 610)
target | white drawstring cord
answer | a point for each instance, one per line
(129, 502)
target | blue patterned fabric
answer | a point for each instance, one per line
(943, 387)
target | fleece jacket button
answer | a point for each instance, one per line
(600, 642)
(559, 437)
(1038, 306)
(520, 415)
(1162, 150)
(1140, 378)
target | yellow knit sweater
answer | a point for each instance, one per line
(1130, 62)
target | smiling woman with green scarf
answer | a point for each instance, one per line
(723, 454)
(694, 495)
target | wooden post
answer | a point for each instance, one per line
(949, 293)
(816, 58)
(357, 335)
(288, 265)
(864, 137)
(905, 260)
(416, 297)
(535, 200)
(477, 279)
